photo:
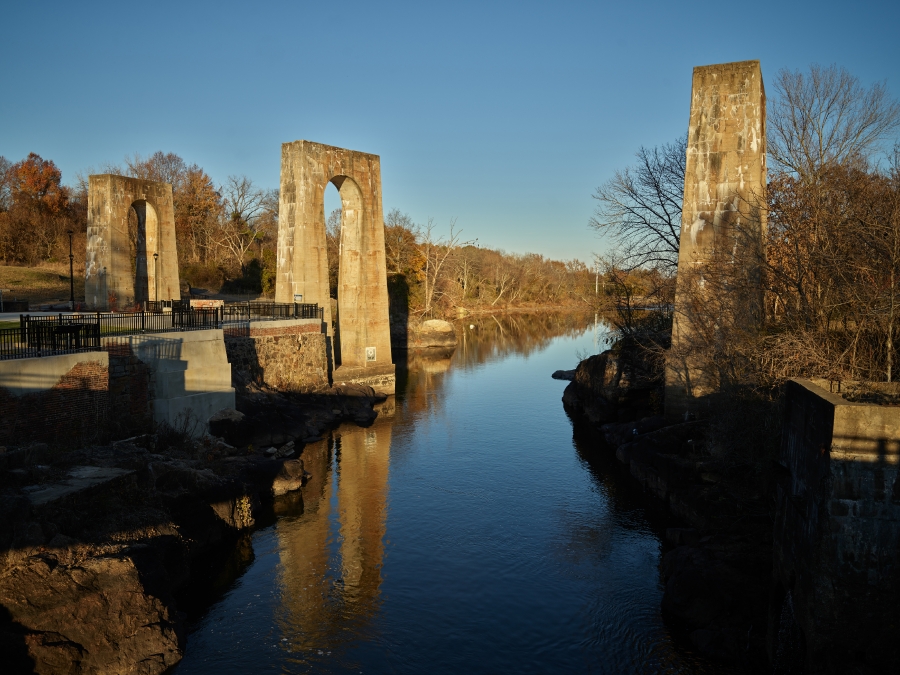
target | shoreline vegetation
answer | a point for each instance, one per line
(226, 237)
(815, 295)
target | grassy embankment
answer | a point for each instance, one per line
(40, 285)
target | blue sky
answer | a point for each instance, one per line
(502, 115)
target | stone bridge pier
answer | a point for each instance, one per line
(360, 347)
(130, 262)
(723, 222)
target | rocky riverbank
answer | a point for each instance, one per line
(717, 562)
(103, 548)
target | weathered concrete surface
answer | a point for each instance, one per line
(189, 374)
(837, 531)
(80, 478)
(363, 340)
(724, 186)
(30, 376)
(110, 280)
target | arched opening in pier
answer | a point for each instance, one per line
(143, 239)
(343, 207)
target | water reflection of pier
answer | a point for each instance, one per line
(331, 555)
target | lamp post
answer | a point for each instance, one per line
(71, 273)
(156, 276)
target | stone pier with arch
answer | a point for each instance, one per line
(360, 346)
(123, 268)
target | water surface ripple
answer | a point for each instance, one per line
(464, 531)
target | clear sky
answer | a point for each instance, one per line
(503, 115)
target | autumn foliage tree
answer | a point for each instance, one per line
(35, 211)
(833, 275)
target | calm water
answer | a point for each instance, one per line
(463, 531)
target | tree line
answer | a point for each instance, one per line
(829, 258)
(227, 237)
(431, 273)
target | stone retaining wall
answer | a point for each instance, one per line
(837, 528)
(288, 355)
(129, 388)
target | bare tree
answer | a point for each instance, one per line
(5, 166)
(435, 253)
(826, 117)
(267, 219)
(165, 167)
(640, 207)
(244, 204)
(466, 270)
(333, 248)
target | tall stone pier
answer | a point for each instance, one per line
(722, 227)
(124, 268)
(361, 346)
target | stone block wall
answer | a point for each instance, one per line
(53, 398)
(287, 355)
(129, 388)
(837, 530)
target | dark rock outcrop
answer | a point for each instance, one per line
(93, 571)
(88, 616)
(610, 387)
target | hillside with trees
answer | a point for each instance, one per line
(227, 238)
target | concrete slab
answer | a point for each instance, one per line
(80, 478)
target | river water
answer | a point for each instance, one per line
(468, 529)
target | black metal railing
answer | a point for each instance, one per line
(47, 339)
(270, 311)
(69, 333)
(127, 323)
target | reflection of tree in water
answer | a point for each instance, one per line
(627, 499)
(420, 374)
(494, 337)
(331, 555)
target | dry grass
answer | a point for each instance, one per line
(40, 285)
